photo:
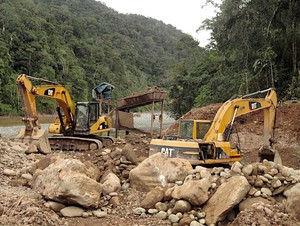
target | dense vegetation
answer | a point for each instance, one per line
(83, 43)
(255, 45)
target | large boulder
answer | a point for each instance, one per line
(67, 181)
(110, 182)
(130, 154)
(227, 196)
(193, 191)
(158, 170)
(292, 205)
(293, 199)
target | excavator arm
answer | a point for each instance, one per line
(217, 137)
(51, 90)
(231, 109)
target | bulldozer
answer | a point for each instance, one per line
(78, 126)
(208, 142)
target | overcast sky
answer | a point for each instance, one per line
(185, 15)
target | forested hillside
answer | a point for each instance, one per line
(255, 45)
(81, 44)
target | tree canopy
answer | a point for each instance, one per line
(254, 46)
(81, 44)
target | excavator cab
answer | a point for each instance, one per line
(193, 129)
(84, 115)
(87, 113)
(88, 120)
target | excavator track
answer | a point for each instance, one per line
(70, 143)
(65, 143)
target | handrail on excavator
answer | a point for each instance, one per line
(256, 93)
(42, 80)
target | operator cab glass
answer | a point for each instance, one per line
(193, 129)
(186, 129)
(82, 117)
(93, 113)
(201, 129)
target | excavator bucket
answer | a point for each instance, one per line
(38, 137)
(270, 154)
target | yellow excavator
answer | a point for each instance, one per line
(208, 142)
(78, 126)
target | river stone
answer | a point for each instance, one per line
(290, 191)
(181, 206)
(185, 221)
(194, 191)
(161, 206)
(278, 191)
(26, 176)
(162, 215)
(152, 211)
(236, 167)
(292, 205)
(226, 197)
(17, 148)
(92, 171)
(130, 154)
(276, 183)
(152, 197)
(195, 223)
(55, 206)
(99, 213)
(66, 181)
(115, 201)
(173, 218)
(266, 191)
(71, 211)
(110, 182)
(158, 170)
(31, 149)
(138, 211)
(9, 172)
(249, 202)
(247, 170)
(204, 172)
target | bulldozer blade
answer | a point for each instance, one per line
(38, 137)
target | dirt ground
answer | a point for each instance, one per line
(20, 205)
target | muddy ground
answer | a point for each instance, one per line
(20, 205)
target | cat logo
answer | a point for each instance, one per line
(167, 151)
(254, 105)
(49, 92)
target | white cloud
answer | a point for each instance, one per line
(186, 16)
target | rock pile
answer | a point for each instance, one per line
(62, 181)
(170, 191)
(208, 196)
(19, 205)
